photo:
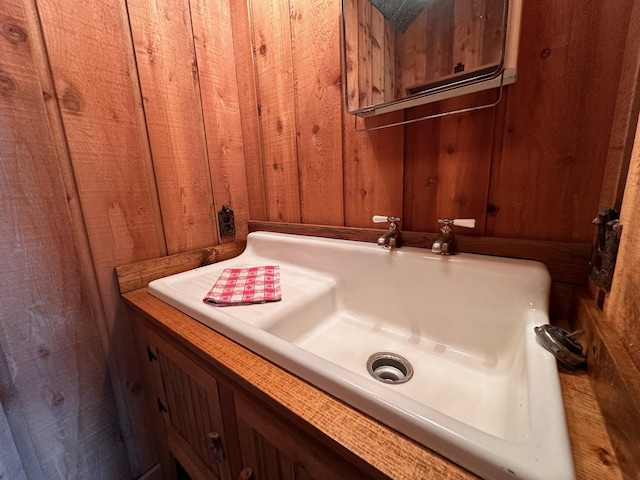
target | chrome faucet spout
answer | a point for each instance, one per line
(445, 244)
(392, 238)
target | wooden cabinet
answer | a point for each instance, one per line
(189, 401)
(218, 429)
(275, 449)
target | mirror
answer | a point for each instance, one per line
(401, 53)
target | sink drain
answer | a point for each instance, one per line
(389, 367)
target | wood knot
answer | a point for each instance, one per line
(134, 387)
(545, 53)
(263, 49)
(565, 161)
(605, 456)
(13, 32)
(7, 85)
(461, 200)
(315, 129)
(72, 101)
(44, 352)
(275, 166)
(58, 399)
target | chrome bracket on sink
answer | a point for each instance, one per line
(562, 345)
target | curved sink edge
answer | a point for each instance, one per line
(463, 444)
(468, 446)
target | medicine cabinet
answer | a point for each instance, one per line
(402, 53)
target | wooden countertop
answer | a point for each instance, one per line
(391, 453)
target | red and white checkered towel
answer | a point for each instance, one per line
(245, 286)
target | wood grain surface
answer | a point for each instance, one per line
(546, 182)
(623, 305)
(168, 70)
(625, 118)
(95, 80)
(138, 275)
(58, 409)
(315, 33)
(219, 91)
(249, 109)
(126, 109)
(545, 173)
(273, 62)
(615, 380)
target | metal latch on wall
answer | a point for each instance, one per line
(605, 250)
(226, 222)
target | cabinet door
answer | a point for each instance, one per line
(190, 402)
(272, 448)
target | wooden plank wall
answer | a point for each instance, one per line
(121, 137)
(54, 393)
(622, 308)
(530, 168)
(126, 124)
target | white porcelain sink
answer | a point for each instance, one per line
(483, 393)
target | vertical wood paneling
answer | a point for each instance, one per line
(414, 61)
(493, 33)
(389, 62)
(10, 462)
(622, 308)
(625, 117)
(421, 177)
(373, 170)
(48, 331)
(168, 70)
(316, 41)
(274, 68)
(468, 33)
(448, 164)
(248, 102)
(439, 48)
(364, 66)
(377, 56)
(351, 53)
(18, 457)
(91, 59)
(256, 122)
(465, 161)
(220, 104)
(558, 120)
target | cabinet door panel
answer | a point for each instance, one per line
(193, 417)
(275, 449)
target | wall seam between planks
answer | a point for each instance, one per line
(82, 246)
(256, 79)
(296, 114)
(214, 211)
(146, 144)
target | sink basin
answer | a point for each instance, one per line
(482, 393)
